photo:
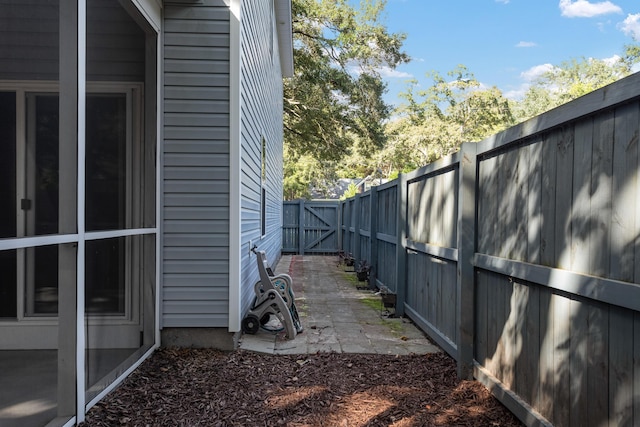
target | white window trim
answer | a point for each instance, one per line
(135, 96)
(235, 168)
(263, 187)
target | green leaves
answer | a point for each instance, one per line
(433, 122)
(574, 78)
(337, 124)
(335, 96)
(333, 106)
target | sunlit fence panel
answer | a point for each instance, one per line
(520, 257)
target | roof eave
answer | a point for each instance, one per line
(285, 36)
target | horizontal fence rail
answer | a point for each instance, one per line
(520, 256)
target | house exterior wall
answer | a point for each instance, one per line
(115, 50)
(215, 122)
(195, 255)
(261, 118)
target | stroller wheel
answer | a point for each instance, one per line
(250, 324)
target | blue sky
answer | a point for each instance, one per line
(505, 43)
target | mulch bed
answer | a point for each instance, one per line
(194, 387)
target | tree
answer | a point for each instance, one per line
(574, 78)
(630, 58)
(351, 191)
(333, 104)
(433, 122)
(303, 173)
(335, 95)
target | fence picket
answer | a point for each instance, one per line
(524, 258)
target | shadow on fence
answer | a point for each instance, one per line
(520, 256)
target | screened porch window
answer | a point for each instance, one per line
(114, 173)
(77, 209)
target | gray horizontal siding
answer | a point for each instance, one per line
(197, 79)
(196, 253)
(196, 132)
(215, 65)
(195, 40)
(200, 239)
(192, 284)
(196, 119)
(195, 106)
(196, 186)
(202, 28)
(215, 12)
(202, 293)
(179, 166)
(201, 147)
(191, 173)
(182, 320)
(197, 93)
(196, 200)
(261, 101)
(202, 307)
(196, 166)
(196, 213)
(196, 54)
(215, 270)
(29, 42)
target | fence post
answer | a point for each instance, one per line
(356, 228)
(339, 226)
(466, 249)
(346, 223)
(401, 238)
(301, 227)
(373, 239)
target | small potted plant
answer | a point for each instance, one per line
(388, 300)
(362, 272)
(349, 261)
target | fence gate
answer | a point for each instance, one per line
(310, 227)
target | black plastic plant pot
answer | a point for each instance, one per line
(389, 300)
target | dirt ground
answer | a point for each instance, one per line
(189, 387)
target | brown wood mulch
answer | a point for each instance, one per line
(190, 387)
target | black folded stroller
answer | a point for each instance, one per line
(274, 297)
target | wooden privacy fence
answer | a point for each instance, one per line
(520, 256)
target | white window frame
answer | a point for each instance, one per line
(263, 187)
(134, 132)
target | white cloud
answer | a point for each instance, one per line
(631, 26)
(527, 76)
(387, 72)
(602, 26)
(503, 1)
(517, 93)
(534, 72)
(612, 60)
(586, 9)
(526, 44)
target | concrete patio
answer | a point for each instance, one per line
(337, 315)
